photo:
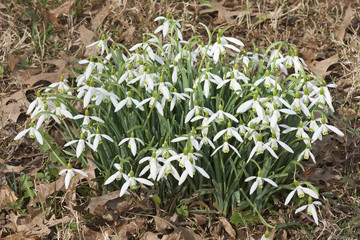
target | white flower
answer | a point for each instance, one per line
(98, 139)
(260, 147)
(265, 236)
(61, 110)
(38, 102)
(132, 143)
(311, 210)
(168, 168)
(33, 133)
(229, 133)
(163, 88)
(193, 141)
(306, 154)
(87, 118)
(324, 129)
(177, 97)
(300, 130)
(62, 87)
(99, 44)
(234, 84)
(88, 71)
(273, 143)
(128, 101)
(207, 78)
(219, 115)
(298, 106)
(219, 47)
(268, 81)
(152, 103)
(45, 117)
(118, 175)
(80, 145)
(255, 104)
(196, 111)
(168, 27)
(131, 182)
(153, 165)
(300, 192)
(225, 148)
(194, 169)
(259, 182)
(70, 174)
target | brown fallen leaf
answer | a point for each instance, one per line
(162, 224)
(224, 13)
(11, 107)
(172, 236)
(187, 233)
(18, 237)
(127, 36)
(62, 9)
(320, 68)
(90, 234)
(132, 227)
(50, 77)
(7, 195)
(228, 228)
(340, 30)
(150, 236)
(86, 37)
(101, 15)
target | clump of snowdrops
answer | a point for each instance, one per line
(184, 116)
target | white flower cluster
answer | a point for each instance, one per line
(247, 108)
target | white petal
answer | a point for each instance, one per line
(111, 178)
(270, 181)
(124, 188)
(302, 208)
(253, 187)
(21, 134)
(289, 197)
(310, 192)
(250, 178)
(335, 130)
(234, 40)
(144, 181)
(81, 172)
(245, 106)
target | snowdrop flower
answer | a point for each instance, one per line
(145, 45)
(70, 174)
(265, 236)
(300, 130)
(207, 78)
(33, 133)
(167, 169)
(152, 103)
(101, 45)
(276, 115)
(87, 118)
(234, 85)
(196, 111)
(102, 95)
(80, 145)
(61, 86)
(306, 154)
(98, 139)
(194, 169)
(300, 192)
(268, 80)
(260, 147)
(89, 69)
(311, 210)
(165, 151)
(37, 102)
(132, 143)
(175, 73)
(61, 110)
(153, 165)
(313, 126)
(167, 27)
(193, 140)
(164, 88)
(184, 161)
(235, 73)
(204, 140)
(259, 182)
(219, 115)
(255, 104)
(128, 101)
(322, 99)
(118, 175)
(45, 117)
(294, 61)
(131, 182)
(273, 143)
(299, 106)
(276, 61)
(177, 97)
(324, 130)
(229, 133)
(128, 75)
(225, 148)
(147, 80)
(222, 43)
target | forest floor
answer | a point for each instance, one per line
(41, 40)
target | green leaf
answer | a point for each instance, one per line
(26, 185)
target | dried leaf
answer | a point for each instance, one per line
(224, 13)
(101, 15)
(50, 77)
(340, 30)
(11, 61)
(320, 68)
(187, 233)
(7, 195)
(228, 228)
(162, 224)
(90, 234)
(127, 36)
(62, 9)
(10, 107)
(172, 236)
(86, 37)
(132, 227)
(97, 202)
(150, 236)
